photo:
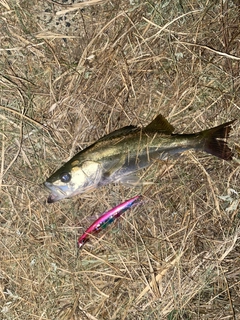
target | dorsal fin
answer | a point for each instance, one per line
(160, 124)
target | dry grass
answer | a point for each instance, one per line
(67, 80)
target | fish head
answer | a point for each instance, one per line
(72, 179)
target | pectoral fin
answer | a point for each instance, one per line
(113, 166)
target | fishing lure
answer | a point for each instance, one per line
(108, 217)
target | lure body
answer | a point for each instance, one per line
(108, 217)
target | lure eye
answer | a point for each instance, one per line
(65, 177)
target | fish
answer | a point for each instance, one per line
(117, 156)
(106, 218)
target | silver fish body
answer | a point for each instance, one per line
(116, 156)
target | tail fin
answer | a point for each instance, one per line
(214, 141)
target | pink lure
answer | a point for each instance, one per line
(108, 217)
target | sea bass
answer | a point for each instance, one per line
(118, 155)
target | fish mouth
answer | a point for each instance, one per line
(51, 198)
(57, 193)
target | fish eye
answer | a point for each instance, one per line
(65, 177)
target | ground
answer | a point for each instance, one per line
(67, 78)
